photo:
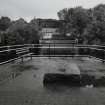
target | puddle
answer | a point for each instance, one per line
(101, 70)
(61, 79)
(71, 80)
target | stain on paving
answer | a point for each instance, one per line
(23, 67)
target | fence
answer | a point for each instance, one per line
(8, 53)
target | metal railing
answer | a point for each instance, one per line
(9, 53)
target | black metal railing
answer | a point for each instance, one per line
(51, 49)
(74, 50)
(11, 52)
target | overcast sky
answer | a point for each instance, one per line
(28, 9)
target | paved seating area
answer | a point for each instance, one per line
(26, 87)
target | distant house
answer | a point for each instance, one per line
(48, 27)
(48, 32)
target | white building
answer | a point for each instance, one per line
(47, 33)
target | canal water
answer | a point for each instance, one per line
(27, 88)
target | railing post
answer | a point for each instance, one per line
(31, 56)
(22, 59)
(49, 50)
(54, 49)
(104, 57)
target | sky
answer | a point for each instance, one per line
(29, 9)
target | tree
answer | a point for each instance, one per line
(18, 24)
(14, 38)
(75, 21)
(95, 31)
(34, 23)
(21, 32)
(30, 34)
(5, 22)
(62, 14)
(88, 24)
(99, 12)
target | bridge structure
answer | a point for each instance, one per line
(51, 49)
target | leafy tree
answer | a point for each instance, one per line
(21, 32)
(75, 18)
(14, 38)
(88, 24)
(30, 34)
(18, 24)
(4, 23)
(99, 12)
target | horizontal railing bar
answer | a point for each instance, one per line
(13, 49)
(22, 49)
(22, 52)
(97, 49)
(51, 47)
(49, 44)
(25, 49)
(33, 55)
(10, 46)
(97, 58)
(59, 47)
(67, 47)
(14, 59)
(9, 61)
